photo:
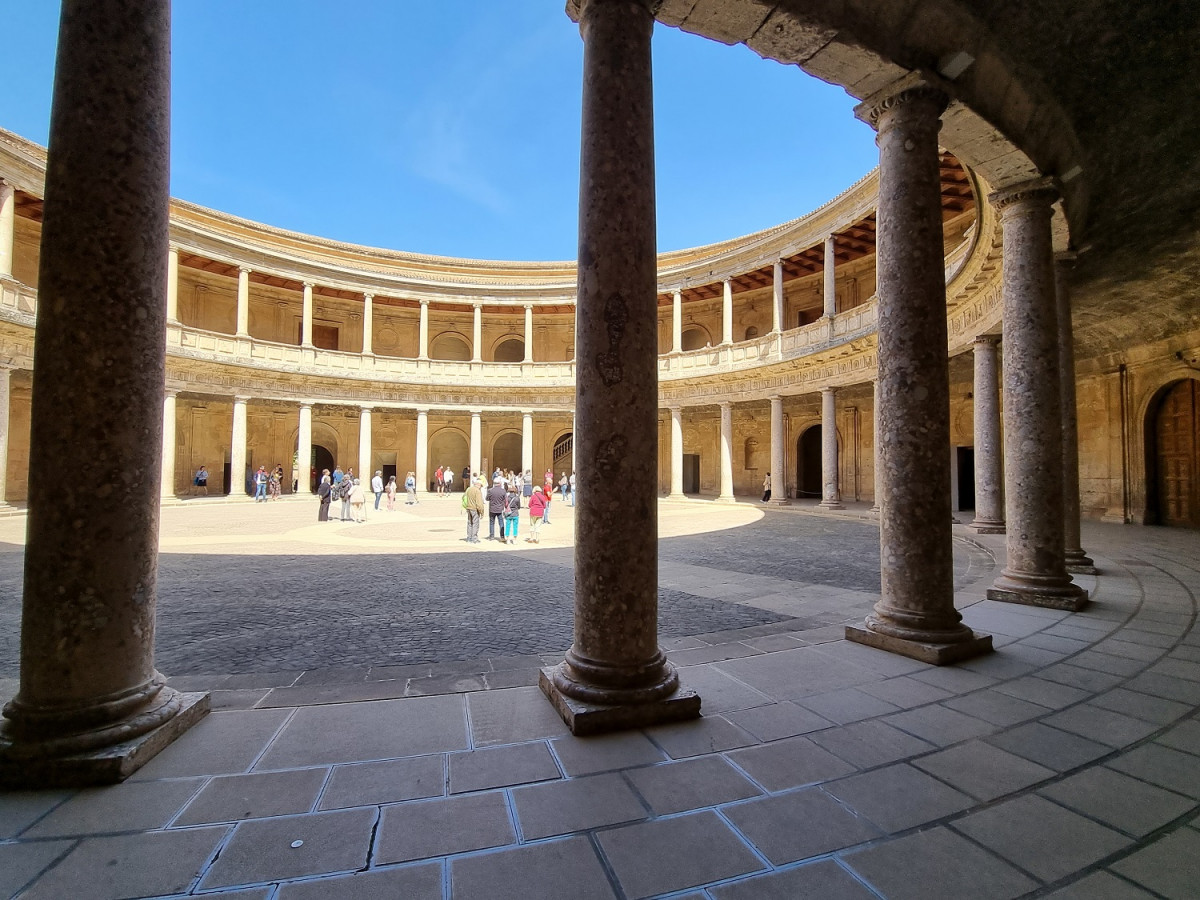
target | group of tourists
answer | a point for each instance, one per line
(502, 504)
(267, 485)
(443, 480)
(343, 487)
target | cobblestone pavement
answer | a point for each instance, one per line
(246, 588)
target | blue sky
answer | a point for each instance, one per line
(393, 123)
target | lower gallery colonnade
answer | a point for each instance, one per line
(857, 318)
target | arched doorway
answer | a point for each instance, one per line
(1173, 460)
(808, 463)
(322, 459)
(564, 453)
(451, 346)
(511, 350)
(506, 452)
(449, 447)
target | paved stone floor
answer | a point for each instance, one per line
(1066, 764)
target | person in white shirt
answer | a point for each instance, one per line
(377, 487)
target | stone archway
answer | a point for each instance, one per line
(449, 447)
(1173, 455)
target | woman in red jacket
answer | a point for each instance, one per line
(537, 509)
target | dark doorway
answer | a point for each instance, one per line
(808, 463)
(389, 472)
(691, 473)
(321, 459)
(1175, 461)
(225, 479)
(965, 460)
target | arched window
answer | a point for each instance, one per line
(694, 338)
(450, 346)
(751, 332)
(511, 350)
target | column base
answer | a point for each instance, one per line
(107, 765)
(984, 526)
(675, 497)
(1079, 563)
(584, 718)
(1051, 595)
(830, 504)
(781, 501)
(936, 654)
(726, 498)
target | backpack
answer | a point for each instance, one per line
(466, 501)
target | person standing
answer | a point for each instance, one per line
(358, 502)
(474, 505)
(410, 486)
(347, 486)
(767, 488)
(260, 485)
(448, 481)
(390, 490)
(377, 488)
(564, 488)
(437, 481)
(497, 499)
(201, 480)
(547, 496)
(512, 514)
(538, 506)
(338, 475)
(323, 492)
(573, 499)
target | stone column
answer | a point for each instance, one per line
(615, 675)
(779, 495)
(173, 285)
(528, 332)
(676, 453)
(831, 491)
(5, 399)
(1035, 572)
(477, 334)
(875, 445)
(830, 286)
(91, 708)
(777, 297)
(243, 302)
(168, 445)
(237, 449)
(677, 321)
(476, 443)
(1076, 559)
(8, 212)
(423, 340)
(989, 483)
(368, 324)
(727, 311)
(527, 442)
(726, 452)
(915, 615)
(365, 469)
(422, 462)
(306, 316)
(304, 450)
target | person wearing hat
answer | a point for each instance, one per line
(377, 487)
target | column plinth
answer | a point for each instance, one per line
(915, 615)
(91, 708)
(989, 480)
(615, 675)
(1035, 569)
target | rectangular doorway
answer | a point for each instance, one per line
(965, 482)
(691, 473)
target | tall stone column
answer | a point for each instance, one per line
(831, 490)
(778, 454)
(1076, 559)
(676, 453)
(173, 285)
(527, 442)
(306, 316)
(915, 615)
(677, 321)
(528, 332)
(168, 445)
(91, 708)
(368, 324)
(237, 449)
(422, 461)
(304, 450)
(1035, 572)
(476, 444)
(989, 483)
(477, 334)
(875, 445)
(365, 469)
(726, 452)
(777, 297)
(8, 212)
(423, 339)
(5, 401)
(727, 311)
(615, 675)
(243, 302)
(829, 294)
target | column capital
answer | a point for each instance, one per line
(172, 247)
(527, 412)
(307, 404)
(366, 407)
(309, 284)
(424, 301)
(242, 398)
(1038, 191)
(527, 306)
(171, 393)
(915, 86)
(245, 270)
(726, 404)
(368, 296)
(990, 339)
(478, 305)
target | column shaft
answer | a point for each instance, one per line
(779, 495)
(915, 615)
(8, 212)
(243, 302)
(528, 332)
(5, 405)
(527, 442)
(1035, 571)
(876, 482)
(365, 467)
(676, 452)
(304, 451)
(173, 285)
(476, 445)
(422, 461)
(989, 484)
(726, 452)
(777, 296)
(677, 321)
(615, 675)
(306, 316)
(368, 324)
(1075, 557)
(477, 335)
(831, 490)
(423, 340)
(237, 449)
(91, 708)
(168, 445)
(727, 312)
(830, 275)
